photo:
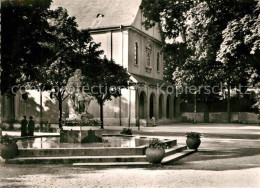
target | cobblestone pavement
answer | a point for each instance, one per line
(229, 156)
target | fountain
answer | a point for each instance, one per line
(78, 112)
(84, 145)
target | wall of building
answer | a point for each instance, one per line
(143, 108)
(31, 107)
(114, 44)
(153, 32)
(123, 107)
(141, 68)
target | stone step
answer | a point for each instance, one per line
(174, 150)
(168, 152)
(139, 164)
(170, 155)
(80, 152)
(90, 151)
(76, 159)
(172, 158)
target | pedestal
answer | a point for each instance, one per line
(77, 134)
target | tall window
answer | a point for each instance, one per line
(158, 61)
(136, 53)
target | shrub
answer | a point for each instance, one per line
(7, 139)
(88, 122)
(91, 122)
(156, 143)
(126, 131)
(193, 135)
(4, 126)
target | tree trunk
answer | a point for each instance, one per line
(259, 116)
(195, 108)
(60, 110)
(101, 115)
(40, 106)
(12, 111)
(228, 105)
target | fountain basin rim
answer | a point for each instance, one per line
(78, 128)
(94, 148)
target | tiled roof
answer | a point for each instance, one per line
(96, 14)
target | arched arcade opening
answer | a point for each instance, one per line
(169, 107)
(160, 115)
(142, 106)
(152, 106)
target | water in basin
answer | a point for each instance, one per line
(108, 141)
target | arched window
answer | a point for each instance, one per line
(136, 53)
(158, 61)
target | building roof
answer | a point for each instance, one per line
(97, 14)
(139, 79)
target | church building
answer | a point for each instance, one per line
(117, 25)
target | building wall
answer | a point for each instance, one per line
(114, 44)
(123, 107)
(141, 68)
(153, 32)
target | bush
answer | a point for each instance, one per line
(4, 126)
(193, 135)
(156, 143)
(6, 139)
(126, 131)
(88, 122)
(91, 122)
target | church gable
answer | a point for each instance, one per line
(153, 32)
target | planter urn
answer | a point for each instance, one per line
(193, 143)
(155, 155)
(9, 151)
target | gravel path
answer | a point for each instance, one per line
(140, 178)
(230, 159)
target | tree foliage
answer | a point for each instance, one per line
(45, 46)
(210, 29)
(221, 40)
(23, 24)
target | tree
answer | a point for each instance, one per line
(201, 24)
(70, 49)
(239, 52)
(105, 80)
(23, 24)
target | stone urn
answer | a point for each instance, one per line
(193, 143)
(9, 151)
(193, 140)
(155, 155)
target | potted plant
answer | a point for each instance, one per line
(193, 140)
(9, 148)
(155, 151)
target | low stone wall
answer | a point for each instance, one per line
(221, 117)
(218, 117)
(189, 117)
(245, 117)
